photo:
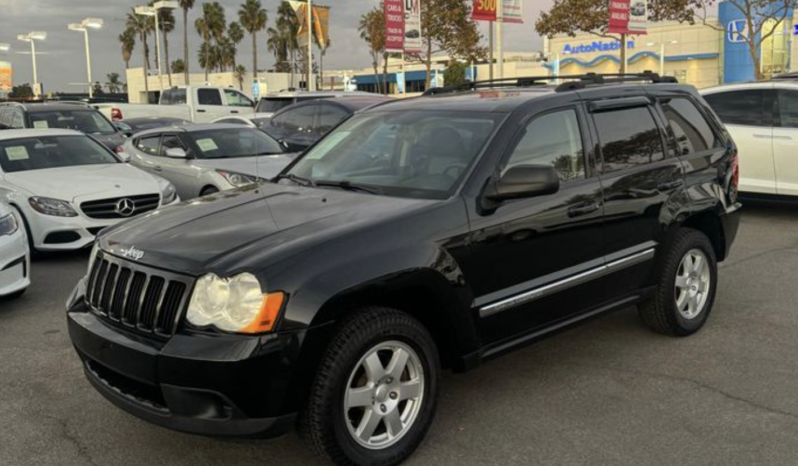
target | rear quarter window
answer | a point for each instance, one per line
(691, 130)
(743, 107)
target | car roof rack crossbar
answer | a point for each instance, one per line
(573, 82)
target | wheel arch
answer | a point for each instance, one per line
(709, 223)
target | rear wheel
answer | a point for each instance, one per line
(375, 393)
(686, 289)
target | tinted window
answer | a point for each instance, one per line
(148, 145)
(691, 130)
(39, 153)
(788, 108)
(739, 107)
(329, 117)
(209, 97)
(628, 138)
(296, 120)
(174, 97)
(237, 99)
(274, 104)
(553, 139)
(233, 143)
(85, 121)
(170, 141)
(420, 154)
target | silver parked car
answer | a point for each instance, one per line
(205, 159)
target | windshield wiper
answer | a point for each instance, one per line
(349, 186)
(296, 179)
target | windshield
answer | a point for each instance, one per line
(272, 105)
(19, 155)
(234, 142)
(408, 154)
(85, 121)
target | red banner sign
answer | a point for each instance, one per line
(484, 10)
(619, 17)
(394, 25)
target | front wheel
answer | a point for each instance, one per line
(686, 288)
(375, 393)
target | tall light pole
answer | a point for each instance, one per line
(153, 11)
(32, 37)
(84, 26)
(310, 43)
(662, 54)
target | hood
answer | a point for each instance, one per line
(265, 166)
(85, 182)
(233, 226)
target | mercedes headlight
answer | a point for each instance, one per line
(169, 194)
(8, 225)
(235, 305)
(238, 179)
(54, 207)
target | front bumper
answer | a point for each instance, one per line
(14, 263)
(216, 385)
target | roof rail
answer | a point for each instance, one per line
(11, 104)
(573, 82)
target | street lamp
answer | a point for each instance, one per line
(32, 37)
(84, 26)
(153, 11)
(661, 54)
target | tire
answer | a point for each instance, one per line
(34, 253)
(682, 310)
(331, 419)
(209, 190)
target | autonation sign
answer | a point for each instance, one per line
(597, 46)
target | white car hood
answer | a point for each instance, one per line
(86, 182)
(265, 166)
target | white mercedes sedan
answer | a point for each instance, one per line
(14, 255)
(67, 187)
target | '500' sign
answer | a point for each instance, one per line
(484, 10)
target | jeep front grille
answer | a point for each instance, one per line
(108, 208)
(142, 299)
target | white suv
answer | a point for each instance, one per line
(763, 120)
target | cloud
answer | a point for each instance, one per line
(63, 59)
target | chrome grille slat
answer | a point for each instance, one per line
(142, 299)
(106, 208)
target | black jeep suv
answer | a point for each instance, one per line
(421, 234)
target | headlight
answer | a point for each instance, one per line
(234, 305)
(238, 179)
(8, 225)
(169, 194)
(55, 207)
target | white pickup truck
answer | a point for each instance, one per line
(198, 104)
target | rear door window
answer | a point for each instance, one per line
(209, 97)
(149, 145)
(788, 108)
(629, 137)
(690, 128)
(743, 107)
(170, 141)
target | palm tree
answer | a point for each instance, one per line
(211, 25)
(372, 30)
(178, 66)
(253, 18)
(142, 25)
(282, 39)
(240, 73)
(113, 84)
(185, 5)
(128, 41)
(236, 34)
(166, 23)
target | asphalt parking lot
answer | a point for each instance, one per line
(608, 393)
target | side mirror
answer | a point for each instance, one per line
(524, 181)
(176, 153)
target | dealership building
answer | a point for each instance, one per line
(700, 54)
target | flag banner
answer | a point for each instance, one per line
(394, 25)
(412, 26)
(300, 9)
(638, 17)
(512, 12)
(321, 20)
(628, 17)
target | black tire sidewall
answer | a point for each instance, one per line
(694, 240)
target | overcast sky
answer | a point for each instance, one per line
(62, 59)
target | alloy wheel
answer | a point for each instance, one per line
(693, 280)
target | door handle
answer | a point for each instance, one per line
(200, 111)
(670, 185)
(157, 168)
(234, 111)
(783, 138)
(763, 136)
(583, 209)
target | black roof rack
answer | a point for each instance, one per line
(573, 82)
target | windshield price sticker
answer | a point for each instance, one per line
(41, 124)
(207, 145)
(17, 153)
